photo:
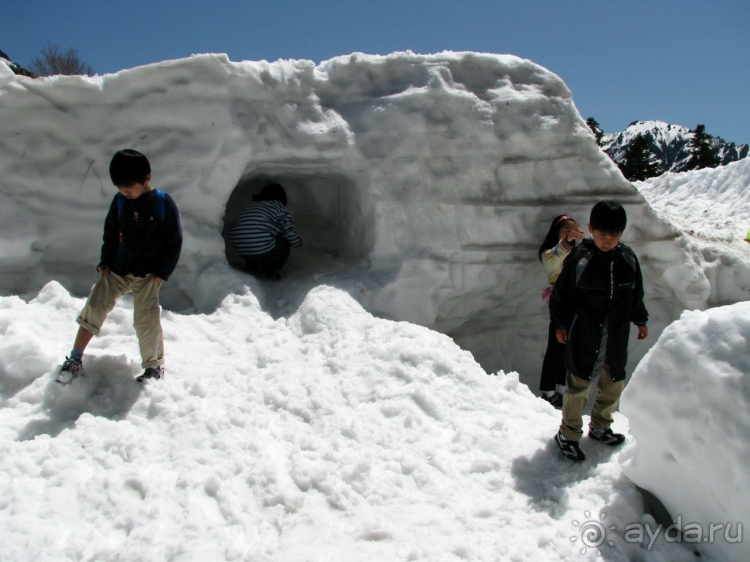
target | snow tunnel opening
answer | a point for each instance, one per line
(329, 212)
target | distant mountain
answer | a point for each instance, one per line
(15, 67)
(667, 143)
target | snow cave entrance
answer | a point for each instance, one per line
(327, 209)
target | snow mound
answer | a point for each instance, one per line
(688, 403)
(331, 435)
(712, 204)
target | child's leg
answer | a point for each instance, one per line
(553, 369)
(574, 401)
(147, 320)
(607, 397)
(101, 301)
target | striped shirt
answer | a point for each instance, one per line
(258, 225)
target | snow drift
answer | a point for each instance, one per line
(688, 403)
(430, 180)
(332, 435)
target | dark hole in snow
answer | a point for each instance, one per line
(330, 214)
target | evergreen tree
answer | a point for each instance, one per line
(596, 129)
(702, 153)
(53, 61)
(639, 164)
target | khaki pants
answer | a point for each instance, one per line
(577, 396)
(146, 312)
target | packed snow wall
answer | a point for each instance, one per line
(430, 179)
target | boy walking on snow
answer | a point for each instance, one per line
(142, 243)
(598, 294)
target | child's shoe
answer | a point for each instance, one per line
(70, 369)
(606, 436)
(556, 400)
(569, 449)
(151, 373)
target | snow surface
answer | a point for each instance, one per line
(427, 180)
(687, 403)
(709, 204)
(298, 422)
(330, 435)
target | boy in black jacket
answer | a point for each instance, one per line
(142, 243)
(598, 294)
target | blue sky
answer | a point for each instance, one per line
(681, 61)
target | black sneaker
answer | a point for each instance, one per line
(151, 373)
(569, 449)
(70, 369)
(555, 400)
(606, 436)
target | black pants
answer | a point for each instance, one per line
(272, 261)
(553, 368)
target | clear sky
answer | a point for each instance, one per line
(681, 61)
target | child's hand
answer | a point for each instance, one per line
(157, 279)
(642, 332)
(102, 269)
(577, 234)
(562, 335)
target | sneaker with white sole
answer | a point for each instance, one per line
(70, 369)
(556, 400)
(151, 373)
(569, 449)
(606, 436)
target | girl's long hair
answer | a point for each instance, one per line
(553, 236)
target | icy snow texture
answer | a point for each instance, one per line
(430, 180)
(688, 403)
(328, 436)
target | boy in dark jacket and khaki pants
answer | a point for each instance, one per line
(142, 243)
(598, 294)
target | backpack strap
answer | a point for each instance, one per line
(120, 204)
(161, 210)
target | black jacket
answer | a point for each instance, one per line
(596, 289)
(136, 242)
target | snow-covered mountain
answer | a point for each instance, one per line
(668, 143)
(15, 67)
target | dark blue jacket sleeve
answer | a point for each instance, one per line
(173, 239)
(111, 236)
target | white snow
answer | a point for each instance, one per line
(302, 420)
(428, 179)
(709, 204)
(687, 403)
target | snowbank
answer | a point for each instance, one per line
(426, 180)
(688, 403)
(332, 436)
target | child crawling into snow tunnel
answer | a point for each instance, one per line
(264, 233)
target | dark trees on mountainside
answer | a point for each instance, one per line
(702, 153)
(52, 60)
(596, 129)
(639, 164)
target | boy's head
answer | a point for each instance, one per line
(606, 224)
(271, 192)
(129, 167)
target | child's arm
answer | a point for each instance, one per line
(553, 259)
(111, 238)
(173, 233)
(286, 225)
(639, 314)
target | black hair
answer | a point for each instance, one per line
(271, 192)
(608, 217)
(129, 167)
(553, 236)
